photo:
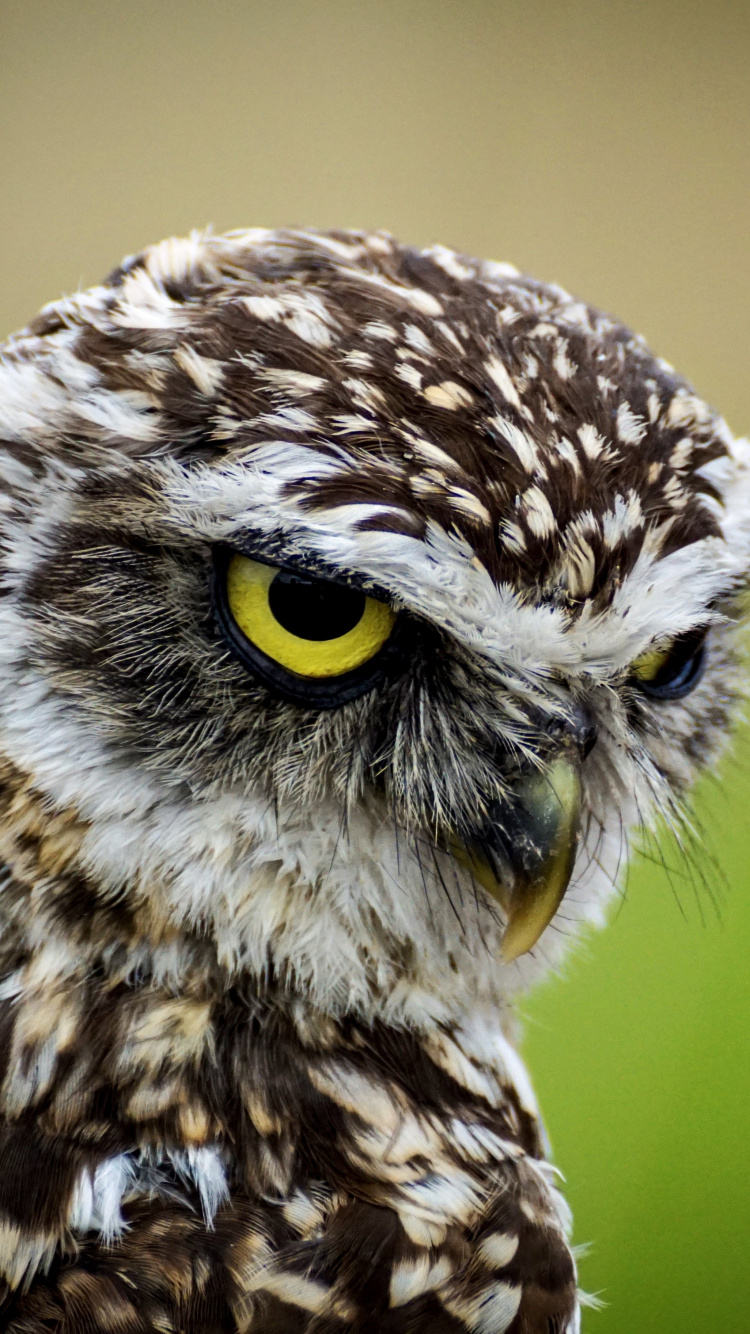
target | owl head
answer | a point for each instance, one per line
(358, 603)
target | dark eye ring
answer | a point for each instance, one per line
(312, 641)
(671, 672)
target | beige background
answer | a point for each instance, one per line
(601, 144)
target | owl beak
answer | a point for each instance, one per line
(538, 836)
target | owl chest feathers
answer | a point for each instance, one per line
(235, 1154)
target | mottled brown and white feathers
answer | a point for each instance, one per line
(256, 1006)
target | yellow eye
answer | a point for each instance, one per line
(670, 671)
(312, 627)
(649, 665)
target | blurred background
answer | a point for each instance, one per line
(600, 143)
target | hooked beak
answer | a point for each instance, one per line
(527, 861)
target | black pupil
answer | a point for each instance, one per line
(312, 608)
(682, 663)
(682, 670)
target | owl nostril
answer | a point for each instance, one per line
(578, 727)
(587, 745)
(583, 730)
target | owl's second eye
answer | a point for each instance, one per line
(311, 639)
(671, 671)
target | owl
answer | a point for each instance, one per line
(359, 604)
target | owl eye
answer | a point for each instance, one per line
(672, 670)
(310, 639)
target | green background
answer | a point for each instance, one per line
(601, 143)
(641, 1059)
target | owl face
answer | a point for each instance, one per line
(359, 601)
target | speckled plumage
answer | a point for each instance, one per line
(256, 1033)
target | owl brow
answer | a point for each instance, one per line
(275, 549)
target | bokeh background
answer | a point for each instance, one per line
(604, 144)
